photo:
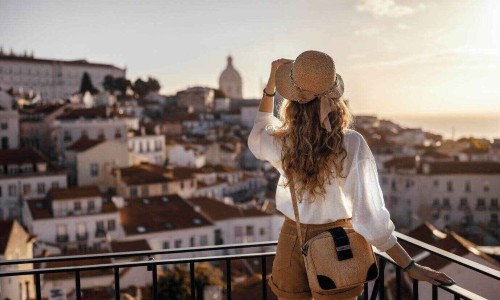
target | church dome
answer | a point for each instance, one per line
(230, 80)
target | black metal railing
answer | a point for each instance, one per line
(377, 288)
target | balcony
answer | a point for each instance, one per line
(82, 236)
(99, 233)
(375, 289)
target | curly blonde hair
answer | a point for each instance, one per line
(310, 153)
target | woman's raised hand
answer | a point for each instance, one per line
(277, 63)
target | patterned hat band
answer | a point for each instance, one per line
(327, 101)
(336, 87)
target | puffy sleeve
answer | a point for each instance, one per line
(260, 142)
(370, 217)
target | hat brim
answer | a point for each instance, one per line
(287, 90)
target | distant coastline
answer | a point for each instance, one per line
(476, 125)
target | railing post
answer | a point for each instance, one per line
(415, 289)
(191, 275)
(38, 289)
(398, 282)
(155, 282)
(77, 286)
(434, 292)
(228, 279)
(264, 277)
(117, 283)
(382, 279)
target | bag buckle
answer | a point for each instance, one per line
(344, 247)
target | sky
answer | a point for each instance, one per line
(397, 57)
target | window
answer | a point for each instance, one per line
(40, 188)
(0, 191)
(446, 203)
(164, 188)
(262, 231)
(238, 231)
(99, 225)
(493, 202)
(203, 240)
(449, 186)
(12, 190)
(78, 205)
(118, 133)
(494, 219)
(145, 191)
(91, 206)
(480, 204)
(435, 203)
(249, 230)
(133, 192)
(62, 229)
(55, 184)
(4, 126)
(27, 189)
(111, 225)
(67, 136)
(166, 245)
(467, 186)
(94, 169)
(436, 183)
(178, 243)
(463, 203)
(393, 185)
(84, 134)
(191, 241)
(100, 135)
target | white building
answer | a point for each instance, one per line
(16, 243)
(184, 155)
(147, 147)
(93, 123)
(89, 161)
(9, 128)
(51, 78)
(248, 115)
(230, 81)
(78, 218)
(442, 192)
(198, 98)
(25, 174)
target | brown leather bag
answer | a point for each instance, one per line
(337, 259)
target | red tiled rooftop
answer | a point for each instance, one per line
(217, 210)
(21, 156)
(128, 246)
(74, 192)
(83, 144)
(162, 213)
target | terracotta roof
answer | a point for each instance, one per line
(218, 181)
(83, 144)
(71, 275)
(21, 156)
(464, 167)
(143, 174)
(74, 192)
(5, 229)
(217, 210)
(406, 162)
(42, 209)
(157, 214)
(128, 246)
(87, 113)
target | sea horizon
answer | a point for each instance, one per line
(451, 125)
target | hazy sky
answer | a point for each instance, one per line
(396, 57)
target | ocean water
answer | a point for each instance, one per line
(453, 126)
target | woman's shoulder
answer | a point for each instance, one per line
(355, 142)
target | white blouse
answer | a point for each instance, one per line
(358, 195)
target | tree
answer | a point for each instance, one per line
(86, 85)
(109, 84)
(175, 284)
(140, 88)
(122, 84)
(153, 85)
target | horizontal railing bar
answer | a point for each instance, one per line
(451, 257)
(136, 253)
(134, 264)
(454, 289)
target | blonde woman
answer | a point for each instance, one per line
(333, 168)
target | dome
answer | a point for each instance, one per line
(230, 80)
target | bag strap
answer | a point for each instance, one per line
(295, 210)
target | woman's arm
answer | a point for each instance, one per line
(419, 272)
(267, 103)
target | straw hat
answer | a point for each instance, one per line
(311, 75)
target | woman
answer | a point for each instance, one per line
(333, 168)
